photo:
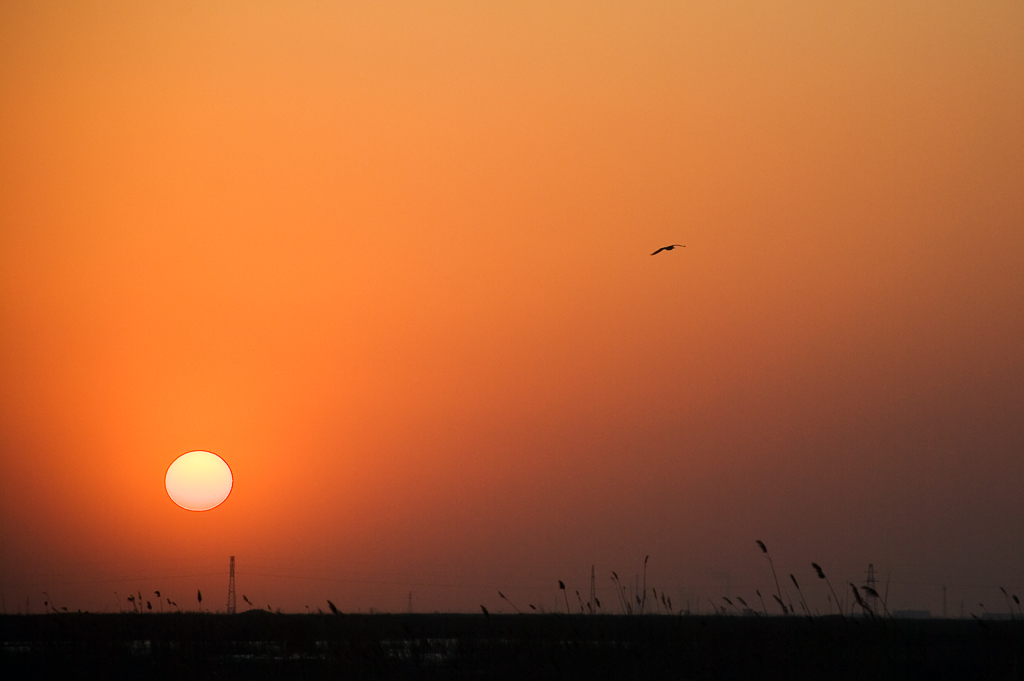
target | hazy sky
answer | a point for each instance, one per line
(391, 261)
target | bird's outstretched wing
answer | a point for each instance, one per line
(659, 250)
(668, 248)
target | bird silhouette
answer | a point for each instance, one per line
(668, 248)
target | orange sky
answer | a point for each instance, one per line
(391, 261)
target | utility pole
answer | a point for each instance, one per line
(593, 591)
(944, 601)
(231, 588)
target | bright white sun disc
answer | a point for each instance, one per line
(198, 481)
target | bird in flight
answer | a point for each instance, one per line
(667, 248)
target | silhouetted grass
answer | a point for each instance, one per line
(642, 642)
(778, 598)
(821, 575)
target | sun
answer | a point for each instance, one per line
(198, 481)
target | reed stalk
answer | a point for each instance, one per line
(778, 589)
(821, 575)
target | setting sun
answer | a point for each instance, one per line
(198, 481)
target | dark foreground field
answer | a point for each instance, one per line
(261, 645)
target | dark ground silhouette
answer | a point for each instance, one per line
(262, 645)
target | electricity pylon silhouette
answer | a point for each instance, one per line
(872, 594)
(231, 588)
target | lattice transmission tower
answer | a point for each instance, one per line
(870, 597)
(231, 588)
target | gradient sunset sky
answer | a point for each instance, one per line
(391, 261)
